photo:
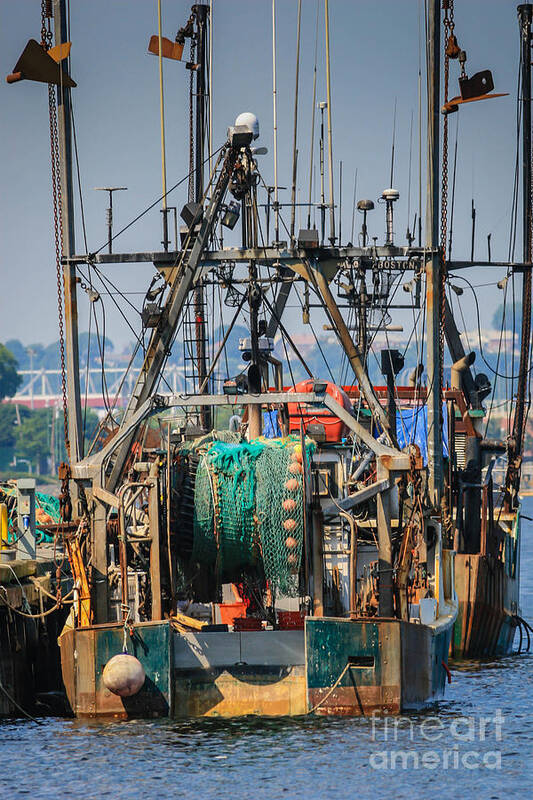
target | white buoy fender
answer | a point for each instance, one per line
(124, 675)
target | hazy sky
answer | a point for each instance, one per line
(374, 62)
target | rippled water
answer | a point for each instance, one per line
(447, 749)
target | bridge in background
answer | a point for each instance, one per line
(41, 388)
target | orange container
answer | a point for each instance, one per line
(229, 611)
(334, 427)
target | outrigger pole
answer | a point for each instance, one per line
(525, 13)
(64, 116)
(434, 288)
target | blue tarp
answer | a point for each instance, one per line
(412, 428)
(271, 428)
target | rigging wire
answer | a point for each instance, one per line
(152, 205)
(478, 317)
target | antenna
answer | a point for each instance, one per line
(340, 201)
(275, 114)
(109, 210)
(353, 205)
(473, 229)
(393, 144)
(409, 236)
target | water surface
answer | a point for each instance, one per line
(478, 743)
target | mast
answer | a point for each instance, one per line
(332, 236)
(295, 133)
(433, 265)
(524, 17)
(201, 11)
(64, 116)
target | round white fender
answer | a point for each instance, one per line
(124, 675)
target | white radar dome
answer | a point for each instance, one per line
(250, 121)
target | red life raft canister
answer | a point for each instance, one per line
(334, 427)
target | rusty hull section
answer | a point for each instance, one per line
(488, 603)
(361, 667)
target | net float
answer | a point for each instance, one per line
(297, 454)
(289, 504)
(296, 468)
(292, 559)
(124, 675)
(290, 524)
(291, 485)
(290, 543)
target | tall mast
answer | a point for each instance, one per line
(64, 116)
(332, 236)
(524, 17)
(433, 265)
(201, 11)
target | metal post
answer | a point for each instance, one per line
(332, 236)
(99, 584)
(383, 502)
(69, 271)
(525, 16)
(109, 211)
(155, 552)
(433, 265)
(318, 563)
(322, 106)
(26, 518)
(295, 133)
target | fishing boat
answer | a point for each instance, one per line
(311, 555)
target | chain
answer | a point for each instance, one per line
(192, 175)
(55, 161)
(451, 50)
(58, 240)
(46, 32)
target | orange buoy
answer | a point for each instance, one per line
(295, 467)
(292, 559)
(289, 504)
(290, 524)
(290, 543)
(291, 485)
(297, 454)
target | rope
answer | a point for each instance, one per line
(14, 702)
(339, 679)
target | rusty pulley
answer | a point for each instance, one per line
(452, 48)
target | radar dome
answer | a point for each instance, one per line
(250, 121)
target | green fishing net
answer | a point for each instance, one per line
(249, 508)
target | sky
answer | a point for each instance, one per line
(374, 66)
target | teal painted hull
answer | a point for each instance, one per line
(336, 667)
(366, 666)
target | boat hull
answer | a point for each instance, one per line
(394, 666)
(265, 673)
(488, 604)
(487, 588)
